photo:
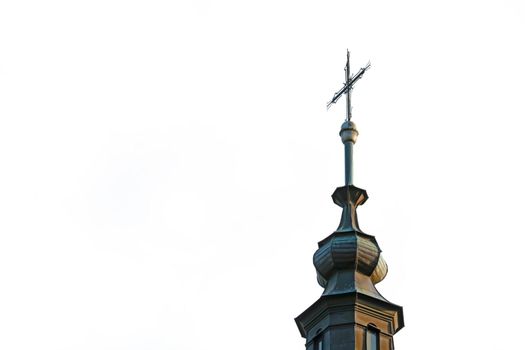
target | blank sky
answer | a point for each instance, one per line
(166, 168)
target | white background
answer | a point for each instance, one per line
(166, 168)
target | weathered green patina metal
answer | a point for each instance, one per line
(351, 313)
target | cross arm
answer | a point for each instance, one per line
(337, 95)
(348, 86)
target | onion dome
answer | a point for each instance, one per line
(349, 261)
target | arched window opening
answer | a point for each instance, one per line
(318, 342)
(372, 338)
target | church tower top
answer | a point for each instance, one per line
(351, 313)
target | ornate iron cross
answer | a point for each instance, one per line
(348, 86)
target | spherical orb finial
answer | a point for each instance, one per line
(348, 132)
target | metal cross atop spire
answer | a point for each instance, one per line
(348, 86)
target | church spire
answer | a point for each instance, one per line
(349, 197)
(351, 314)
